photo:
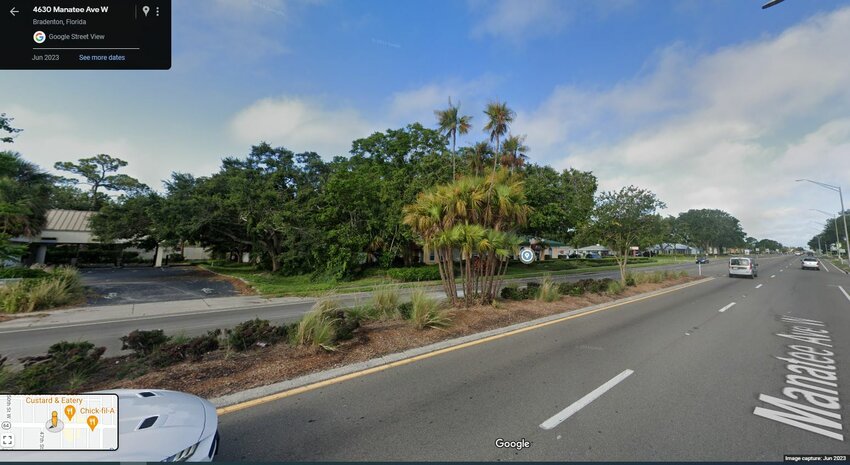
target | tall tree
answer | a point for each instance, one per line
(6, 126)
(514, 152)
(451, 123)
(624, 219)
(477, 157)
(561, 202)
(100, 172)
(130, 220)
(713, 228)
(499, 119)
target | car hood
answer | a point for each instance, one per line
(182, 420)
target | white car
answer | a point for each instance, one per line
(153, 426)
(810, 263)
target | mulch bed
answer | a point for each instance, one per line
(221, 372)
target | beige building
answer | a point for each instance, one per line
(71, 227)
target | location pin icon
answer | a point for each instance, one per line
(146, 9)
(92, 422)
(70, 411)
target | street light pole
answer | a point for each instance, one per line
(843, 216)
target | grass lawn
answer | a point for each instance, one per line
(270, 284)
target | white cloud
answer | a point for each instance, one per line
(418, 104)
(300, 124)
(521, 20)
(731, 129)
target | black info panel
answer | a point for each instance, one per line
(85, 34)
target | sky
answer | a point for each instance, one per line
(707, 103)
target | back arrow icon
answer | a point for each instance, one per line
(13, 11)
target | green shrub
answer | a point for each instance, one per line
(58, 287)
(254, 332)
(641, 278)
(548, 291)
(630, 279)
(192, 349)
(415, 274)
(360, 313)
(405, 309)
(614, 288)
(426, 312)
(385, 302)
(21, 272)
(515, 293)
(571, 288)
(656, 277)
(54, 372)
(143, 342)
(317, 327)
(683, 274)
(346, 324)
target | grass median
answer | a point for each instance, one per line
(276, 285)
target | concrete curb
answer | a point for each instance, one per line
(306, 380)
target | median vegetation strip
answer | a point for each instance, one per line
(256, 352)
(39, 289)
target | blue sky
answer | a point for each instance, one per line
(711, 104)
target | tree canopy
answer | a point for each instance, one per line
(626, 218)
(712, 228)
(100, 172)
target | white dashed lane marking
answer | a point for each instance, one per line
(726, 307)
(584, 401)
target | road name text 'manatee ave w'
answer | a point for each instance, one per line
(811, 393)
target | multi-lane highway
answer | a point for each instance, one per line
(18, 341)
(693, 374)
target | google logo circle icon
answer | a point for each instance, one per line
(39, 37)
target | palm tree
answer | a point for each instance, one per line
(513, 152)
(471, 215)
(452, 123)
(24, 196)
(499, 119)
(478, 155)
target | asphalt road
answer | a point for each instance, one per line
(684, 379)
(16, 343)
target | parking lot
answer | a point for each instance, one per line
(111, 286)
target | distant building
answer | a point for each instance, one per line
(597, 249)
(72, 228)
(667, 248)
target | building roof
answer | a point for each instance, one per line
(68, 220)
(594, 247)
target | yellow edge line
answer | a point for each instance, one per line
(367, 371)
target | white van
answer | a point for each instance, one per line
(743, 266)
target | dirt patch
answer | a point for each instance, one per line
(223, 372)
(241, 287)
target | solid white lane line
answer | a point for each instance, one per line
(584, 401)
(844, 292)
(825, 267)
(760, 285)
(726, 307)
